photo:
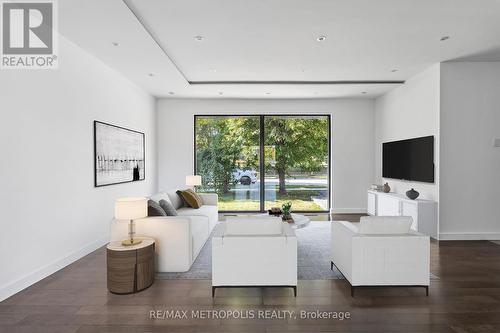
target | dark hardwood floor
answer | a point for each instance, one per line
(465, 298)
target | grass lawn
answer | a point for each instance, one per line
(254, 204)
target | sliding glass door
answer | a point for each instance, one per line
(296, 162)
(258, 162)
(227, 157)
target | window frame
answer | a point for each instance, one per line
(261, 155)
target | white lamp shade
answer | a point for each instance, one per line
(193, 180)
(131, 208)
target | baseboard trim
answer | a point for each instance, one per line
(469, 236)
(349, 211)
(24, 282)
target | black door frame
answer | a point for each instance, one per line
(262, 168)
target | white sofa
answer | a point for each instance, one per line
(254, 251)
(381, 251)
(179, 239)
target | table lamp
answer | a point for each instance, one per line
(131, 209)
(193, 181)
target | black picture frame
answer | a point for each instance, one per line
(143, 145)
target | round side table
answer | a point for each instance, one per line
(130, 268)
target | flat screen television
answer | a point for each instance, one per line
(411, 159)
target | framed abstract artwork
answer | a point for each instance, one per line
(119, 155)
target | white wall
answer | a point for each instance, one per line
(470, 165)
(352, 142)
(51, 212)
(409, 111)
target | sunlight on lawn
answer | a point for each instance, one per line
(254, 205)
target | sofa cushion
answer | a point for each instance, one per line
(204, 210)
(160, 196)
(209, 211)
(191, 198)
(174, 199)
(374, 225)
(154, 209)
(168, 207)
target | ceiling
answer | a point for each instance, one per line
(270, 48)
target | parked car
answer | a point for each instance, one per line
(245, 177)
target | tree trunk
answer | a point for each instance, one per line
(225, 186)
(281, 176)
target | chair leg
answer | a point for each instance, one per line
(295, 291)
(426, 290)
(352, 291)
(213, 292)
(331, 265)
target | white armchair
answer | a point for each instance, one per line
(254, 251)
(381, 251)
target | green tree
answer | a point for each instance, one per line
(297, 142)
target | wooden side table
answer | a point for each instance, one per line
(130, 268)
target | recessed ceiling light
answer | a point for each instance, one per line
(151, 74)
(221, 93)
(363, 92)
(268, 93)
(394, 70)
(444, 38)
(116, 44)
(198, 38)
(170, 92)
(321, 38)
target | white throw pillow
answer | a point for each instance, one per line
(160, 196)
(374, 225)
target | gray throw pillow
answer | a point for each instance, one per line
(168, 207)
(154, 209)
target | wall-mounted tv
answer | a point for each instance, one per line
(411, 159)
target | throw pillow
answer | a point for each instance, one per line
(154, 209)
(168, 208)
(184, 202)
(192, 198)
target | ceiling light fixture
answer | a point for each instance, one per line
(221, 93)
(268, 93)
(170, 92)
(198, 38)
(151, 74)
(363, 92)
(321, 38)
(116, 44)
(444, 38)
(394, 70)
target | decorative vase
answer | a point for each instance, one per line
(287, 217)
(387, 188)
(412, 194)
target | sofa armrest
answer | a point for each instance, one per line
(341, 247)
(397, 259)
(288, 231)
(210, 199)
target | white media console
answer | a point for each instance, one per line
(423, 212)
